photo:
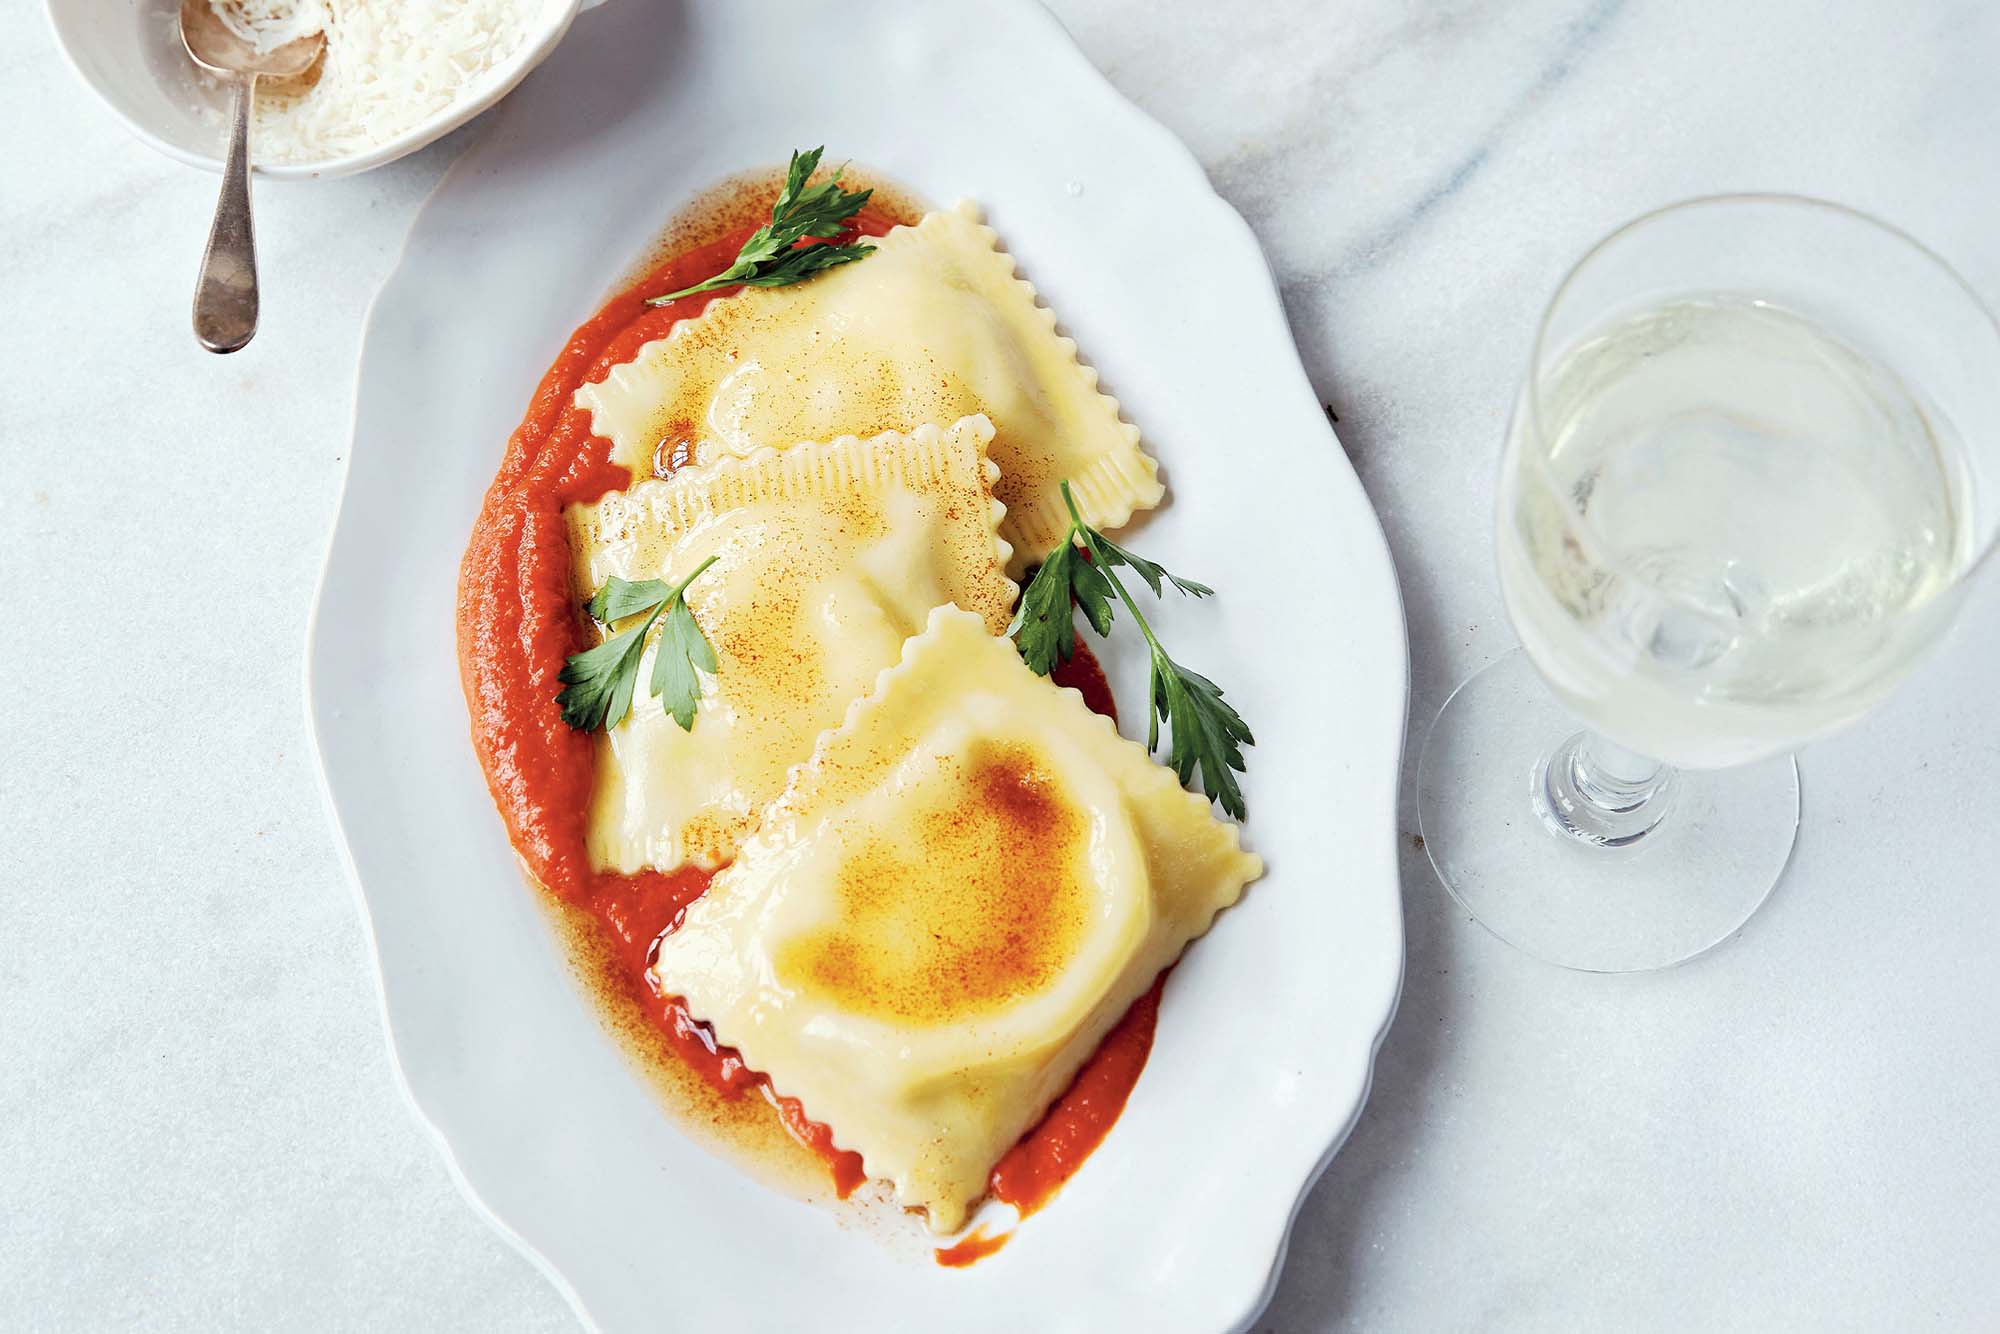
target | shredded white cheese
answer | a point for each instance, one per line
(389, 65)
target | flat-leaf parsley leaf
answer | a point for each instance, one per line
(1207, 734)
(598, 682)
(773, 257)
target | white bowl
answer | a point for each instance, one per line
(129, 52)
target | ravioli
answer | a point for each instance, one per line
(830, 556)
(952, 903)
(932, 327)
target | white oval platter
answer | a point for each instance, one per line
(1269, 1026)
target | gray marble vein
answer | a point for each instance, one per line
(1575, 42)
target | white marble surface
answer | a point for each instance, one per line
(199, 1126)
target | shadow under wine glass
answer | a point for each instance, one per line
(1745, 483)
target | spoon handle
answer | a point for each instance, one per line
(225, 296)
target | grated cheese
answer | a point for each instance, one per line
(389, 66)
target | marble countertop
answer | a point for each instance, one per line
(199, 1123)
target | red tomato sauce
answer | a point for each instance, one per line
(518, 622)
(1035, 1169)
(970, 1249)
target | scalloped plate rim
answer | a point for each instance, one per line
(435, 1118)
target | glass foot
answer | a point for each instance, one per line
(1703, 856)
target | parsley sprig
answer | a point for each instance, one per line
(773, 257)
(598, 682)
(1207, 733)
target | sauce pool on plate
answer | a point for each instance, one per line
(518, 622)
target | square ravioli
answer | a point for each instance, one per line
(952, 903)
(933, 326)
(829, 556)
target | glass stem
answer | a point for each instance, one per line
(1598, 792)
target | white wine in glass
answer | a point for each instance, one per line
(1739, 499)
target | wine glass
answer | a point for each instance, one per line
(1752, 467)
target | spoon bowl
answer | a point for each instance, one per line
(220, 49)
(225, 294)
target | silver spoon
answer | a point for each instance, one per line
(225, 296)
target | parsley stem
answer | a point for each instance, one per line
(680, 587)
(1104, 564)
